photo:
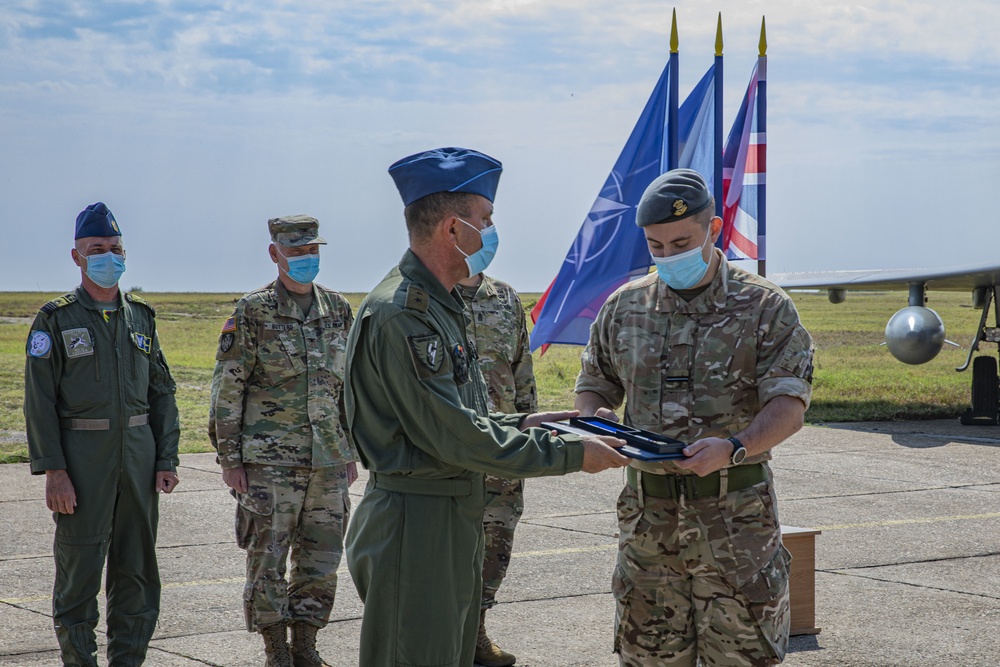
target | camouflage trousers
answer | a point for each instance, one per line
(504, 506)
(703, 579)
(300, 512)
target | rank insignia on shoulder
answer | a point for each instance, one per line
(78, 342)
(427, 353)
(64, 300)
(417, 299)
(460, 357)
(143, 342)
(230, 325)
(39, 345)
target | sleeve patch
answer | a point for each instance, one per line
(230, 325)
(428, 354)
(40, 345)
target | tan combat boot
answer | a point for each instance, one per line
(489, 654)
(276, 646)
(304, 652)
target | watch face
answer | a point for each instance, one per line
(739, 455)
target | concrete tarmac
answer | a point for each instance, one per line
(907, 565)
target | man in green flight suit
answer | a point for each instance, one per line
(103, 427)
(417, 409)
(277, 421)
(498, 332)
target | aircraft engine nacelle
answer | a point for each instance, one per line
(915, 335)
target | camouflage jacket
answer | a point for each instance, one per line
(702, 368)
(499, 332)
(277, 393)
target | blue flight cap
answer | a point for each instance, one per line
(96, 220)
(675, 195)
(446, 170)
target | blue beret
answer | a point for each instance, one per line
(96, 220)
(675, 195)
(446, 170)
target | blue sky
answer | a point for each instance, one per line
(197, 121)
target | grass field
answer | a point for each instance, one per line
(856, 379)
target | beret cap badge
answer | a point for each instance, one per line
(680, 207)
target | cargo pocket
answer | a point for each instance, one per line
(767, 597)
(622, 588)
(256, 502)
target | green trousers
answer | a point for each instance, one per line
(113, 525)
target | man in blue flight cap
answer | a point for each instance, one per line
(417, 409)
(103, 427)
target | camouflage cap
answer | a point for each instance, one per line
(675, 195)
(294, 230)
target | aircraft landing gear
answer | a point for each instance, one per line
(985, 387)
(984, 393)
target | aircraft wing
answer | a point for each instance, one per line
(956, 279)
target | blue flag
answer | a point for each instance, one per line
(610, 250)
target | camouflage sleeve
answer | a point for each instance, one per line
(235, 361)
(42, 370)
(425, 398)
(163, 416)
(597, 372)
(784, 353)
(525, 394)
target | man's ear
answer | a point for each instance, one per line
(716, 227)
(74, 253)
(272, 252)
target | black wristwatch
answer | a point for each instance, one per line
(739, 451)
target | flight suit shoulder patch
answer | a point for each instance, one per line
(40, 345)
(416, 299)
(55, 304)
(428, 353)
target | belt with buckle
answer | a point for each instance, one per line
(74, 424)
(675, 487)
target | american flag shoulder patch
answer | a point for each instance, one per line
(230, 325)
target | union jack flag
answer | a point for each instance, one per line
(744, 169)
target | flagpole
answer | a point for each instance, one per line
(762, 146)
(672, 148)
(718, 145)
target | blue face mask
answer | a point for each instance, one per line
(685, 270)
(479, 260)
(303, 269)
(105, 269)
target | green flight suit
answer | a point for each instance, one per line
(416, 407)
(99, 403)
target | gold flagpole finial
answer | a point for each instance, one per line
(763, 38)
(718, 37)
(674, 43)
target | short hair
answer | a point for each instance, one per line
(705, 217)
(425, 213)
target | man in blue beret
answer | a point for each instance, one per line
(103, 428)
(710, 354)
(417, 409)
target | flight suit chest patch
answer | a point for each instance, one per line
(78, 342)
(428, 354)
(460, 359)
(142, 341)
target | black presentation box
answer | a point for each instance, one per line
(642, 445)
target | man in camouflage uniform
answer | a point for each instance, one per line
(102, 426)
(416, 404)
(278, 424)
(498, 333)
(709, 354)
